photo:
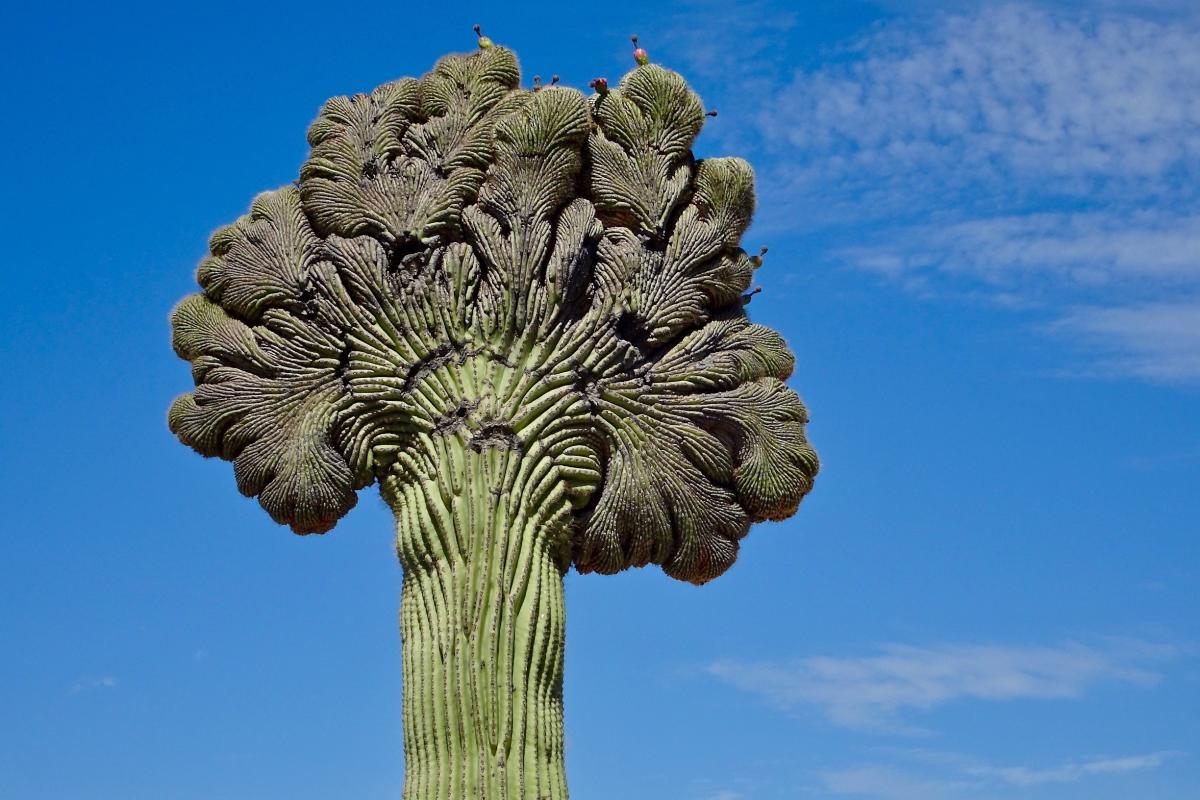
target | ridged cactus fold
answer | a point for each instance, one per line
(522, 314)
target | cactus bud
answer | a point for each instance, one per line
(600, 85)
(484, 42)
(639, 54)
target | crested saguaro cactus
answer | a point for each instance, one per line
(522, 314)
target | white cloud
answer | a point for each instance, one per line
(1084, 249)
(735, 43)
(997, 105)
(874, 692)
(886, 783)
(1073, 772)
(1043, 156)
(1158, 341)
(83, 684)
(946, 776)
(1115, 272)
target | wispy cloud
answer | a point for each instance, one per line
(741, 42)
(85, 684)
(887, 783)
(1044, 155)
(1095, 249)
(947, 776)
(1159, 341)
(875, 692)
(1112, 271)
(1075, 771)
(1002, 105)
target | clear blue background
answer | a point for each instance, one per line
(988, 481)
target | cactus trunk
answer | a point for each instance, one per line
(482, 621)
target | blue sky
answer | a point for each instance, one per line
(984, 224)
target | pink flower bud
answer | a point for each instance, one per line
(639, 54)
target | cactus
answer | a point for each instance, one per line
(521, 313)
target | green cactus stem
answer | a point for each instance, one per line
(483, 538)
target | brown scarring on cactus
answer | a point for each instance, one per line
(521, 313)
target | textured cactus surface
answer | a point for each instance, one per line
(521, 312)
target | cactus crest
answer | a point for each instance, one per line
(574, 251)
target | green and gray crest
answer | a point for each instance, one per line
(521, 312)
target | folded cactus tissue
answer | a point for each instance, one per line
(521, 313)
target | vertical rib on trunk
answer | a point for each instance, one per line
(480, 535)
